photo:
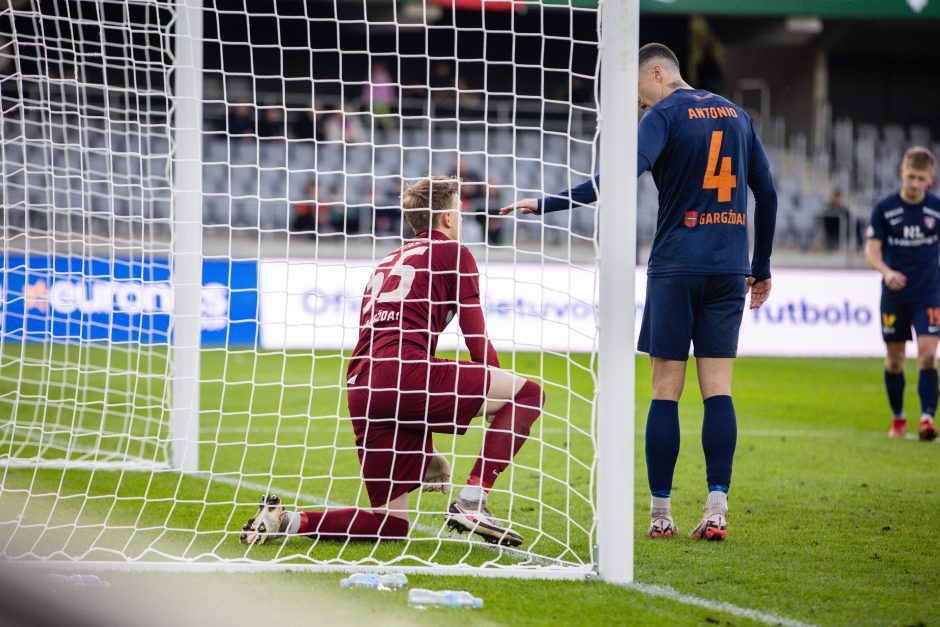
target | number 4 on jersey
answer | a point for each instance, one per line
(724, 181)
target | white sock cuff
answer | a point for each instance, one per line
(293, 522)
(717, 501)
(660, 504)
(473, 493)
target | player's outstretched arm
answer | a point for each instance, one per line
(526, 205)
(583, 194)
(473, 327)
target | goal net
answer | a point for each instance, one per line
(130, 433)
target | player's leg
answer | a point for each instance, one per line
(927, 386)
(926, 320)
(719, 440)
(716, 344)
(512, 405)
(894, 386)
(666, 334)
(896, 323)
(662, 442)
(393, 459)
(388, 522)
(385, 522)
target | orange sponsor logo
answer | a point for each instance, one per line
(722, 217)
(37, 296)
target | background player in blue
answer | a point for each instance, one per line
(701, 149)
(903, 246)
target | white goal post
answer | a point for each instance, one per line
(620, 27)
(194, 196)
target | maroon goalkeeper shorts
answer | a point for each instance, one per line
(396, 405)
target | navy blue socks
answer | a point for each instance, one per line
(662, 445)
(719, 437)
(927, 389)
(894, 383)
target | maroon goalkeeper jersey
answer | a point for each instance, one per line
(412, 296)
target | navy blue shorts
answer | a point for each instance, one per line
(899, 314)
(705, 311)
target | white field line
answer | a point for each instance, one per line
(667, 592)
(649, 589)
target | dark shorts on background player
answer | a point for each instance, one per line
(899, 314)
(701, 310)
(397, 403)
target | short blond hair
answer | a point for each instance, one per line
(919, 158)
(424, 201)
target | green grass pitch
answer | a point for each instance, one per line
(830, 522)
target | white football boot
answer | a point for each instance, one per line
(267, 522)
(473, 516)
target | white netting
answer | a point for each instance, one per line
(314, 114)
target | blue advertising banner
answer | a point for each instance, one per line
(121, 300)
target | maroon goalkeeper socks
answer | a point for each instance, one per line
(508, 432)
(351, 523)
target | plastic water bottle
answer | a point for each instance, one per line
(421, 598)
(393, 581)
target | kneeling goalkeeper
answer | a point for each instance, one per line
(400, 394)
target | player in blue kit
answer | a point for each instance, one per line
(903, 246)
(702, 150)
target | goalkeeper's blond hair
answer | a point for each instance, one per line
(424, 201)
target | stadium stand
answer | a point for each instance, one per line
(251, 184)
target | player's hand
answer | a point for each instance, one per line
(527, 205)
(759, 290)
(437, 477)
(895, 280)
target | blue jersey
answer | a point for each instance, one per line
(703, 151)
(909, 237)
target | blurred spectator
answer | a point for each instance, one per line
(378, 95)
(836, 221)
(271, 124)
(308, 124)
(468, 98)
(387, 214)
(241, 121)
(354, 211)
(333, 126)
(582, 90)
(344, 125)
(471, 189)
(307, 214)
(336, 210)
(496, 222)
(474, 192)
(710, 73)
(442, 85)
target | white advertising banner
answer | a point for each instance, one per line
(551, 307)
(817, 313)
(529, 307)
